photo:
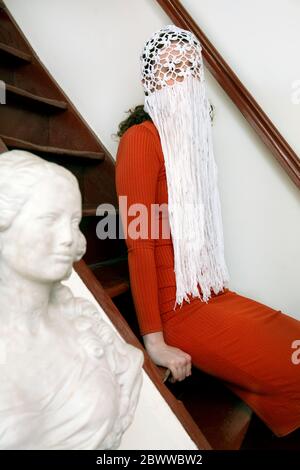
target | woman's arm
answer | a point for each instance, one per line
(137, 169)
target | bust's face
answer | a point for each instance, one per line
(42, 242)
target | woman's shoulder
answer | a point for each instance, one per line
(141, 130)
(150, 126)
(139, 139)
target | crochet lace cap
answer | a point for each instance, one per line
(170, 55)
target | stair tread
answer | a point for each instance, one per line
(25, 145)
(114, 278)
(89, 209)
(40, 99)
(222, 416)
(15, 53)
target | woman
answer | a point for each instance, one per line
(167, 159)
(67, 380)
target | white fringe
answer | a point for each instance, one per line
(181, 116)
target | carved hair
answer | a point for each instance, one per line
(20, 171)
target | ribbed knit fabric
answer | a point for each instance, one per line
(138, 169)
(141, 176)
(241, 341)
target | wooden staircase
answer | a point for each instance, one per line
(38, 117)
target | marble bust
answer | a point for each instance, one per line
(68, 381)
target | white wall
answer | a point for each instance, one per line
(261, 42)
(154, 426)
(92, 47)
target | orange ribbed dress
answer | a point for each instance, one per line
(243, 342)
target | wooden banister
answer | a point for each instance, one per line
(234, 88)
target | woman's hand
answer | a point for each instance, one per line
(179, 362)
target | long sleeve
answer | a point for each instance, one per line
(137, 168)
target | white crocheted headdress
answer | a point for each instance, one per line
(175, 98)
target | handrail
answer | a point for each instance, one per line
(234, 88)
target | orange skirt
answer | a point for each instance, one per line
(249, 346)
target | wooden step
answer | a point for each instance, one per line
(221, 415)
(35, 100)
(113, 275)
(113, 286)
(119, 260)
(89, 210)
(13, 143)
(13, 53)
